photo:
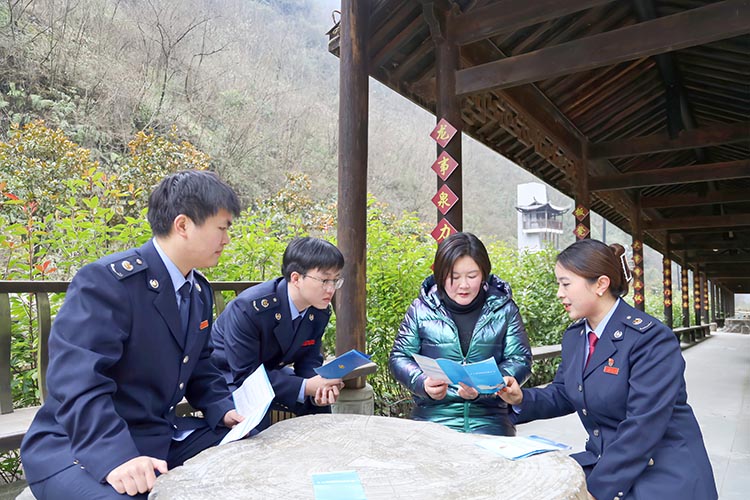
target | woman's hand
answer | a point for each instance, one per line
(511, 393)
(436, 389)
(467, 392)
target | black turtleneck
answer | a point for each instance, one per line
(465, 316)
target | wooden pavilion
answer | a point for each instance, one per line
(637, 109)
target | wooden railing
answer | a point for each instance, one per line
(13, 423)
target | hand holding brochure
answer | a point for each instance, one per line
(484, 376)
(517, 447)
(351, 364)
(252, 400)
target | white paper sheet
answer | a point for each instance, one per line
(252, 400)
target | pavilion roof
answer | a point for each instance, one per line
(651, 96)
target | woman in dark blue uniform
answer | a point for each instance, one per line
(622, 371)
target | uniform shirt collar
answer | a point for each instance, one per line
(599, 330)
(292, 308)
(174, 274)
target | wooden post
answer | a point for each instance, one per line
(685, 291)
(697, 293)
(352, 188)
(712, 285)
(704, 295)
(639, 299)
(667, 282)
(449, 108)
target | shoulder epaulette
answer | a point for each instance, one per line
(126, 265)
(637, 323)
(266, 303)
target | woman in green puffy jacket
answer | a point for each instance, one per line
(465, 314)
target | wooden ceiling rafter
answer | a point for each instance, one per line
(692, 27)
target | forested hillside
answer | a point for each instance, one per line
(249, 82)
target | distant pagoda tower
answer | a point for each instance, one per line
(539, 222)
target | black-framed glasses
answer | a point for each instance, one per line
(334, 283)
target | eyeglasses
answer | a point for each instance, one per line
(334, 283)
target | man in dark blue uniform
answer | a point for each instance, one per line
(130, 341)
(280, 323)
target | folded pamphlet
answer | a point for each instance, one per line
(484, 376)
(518, 447)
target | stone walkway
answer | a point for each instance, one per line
(718, 384)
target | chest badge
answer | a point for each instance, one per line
(154, 284)
(278, 316)
(127, 265)
(611, 368)
(617, 335)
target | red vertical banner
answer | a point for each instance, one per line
(583, 222)
(443, 132)
(638, 298)
(443, 230)
(697, 295)
(667, 274)
(685, 295)
(445, 199)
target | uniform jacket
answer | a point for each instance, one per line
(429, 330)
(119, 362)
(643, 441)
(256, 328)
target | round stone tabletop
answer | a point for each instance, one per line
(394, 458)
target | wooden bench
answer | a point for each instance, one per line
(693, 334)
(15, 422)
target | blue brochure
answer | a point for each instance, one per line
(344, 365)
(518, 447)
(338, 486)
(484, 376)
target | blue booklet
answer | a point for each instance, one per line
(484, 376)
(338, 486)
(346, 364)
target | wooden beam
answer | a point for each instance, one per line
(706, 244)
(698, 221)
(717, 258)
(689, 200)
(699, 26)
(674, 175)
(508, 16)
(725, 133)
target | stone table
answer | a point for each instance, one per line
(395, 459)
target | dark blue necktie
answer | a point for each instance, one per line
(295, 323)
(185, 305)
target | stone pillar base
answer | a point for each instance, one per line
(356, 401)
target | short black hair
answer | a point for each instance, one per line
(305, 254)
(199, 194)
(453, 248)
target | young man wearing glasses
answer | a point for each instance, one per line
(279, 324)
